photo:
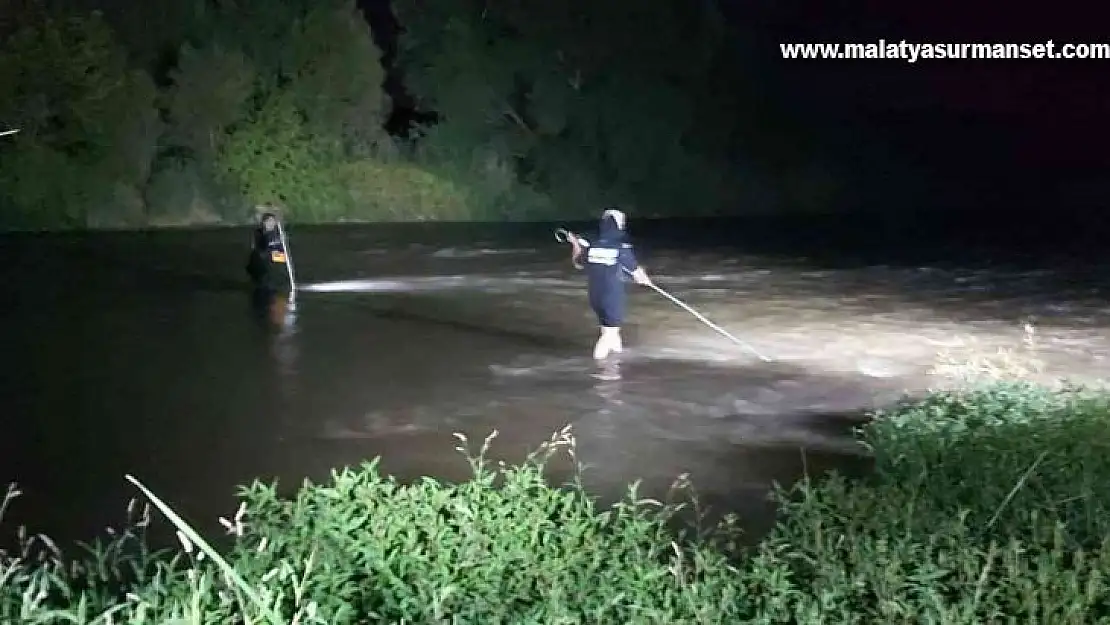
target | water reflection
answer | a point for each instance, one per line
(422, 345)
(275, 311)
(608, 371)
(284, 347)
(276, 314)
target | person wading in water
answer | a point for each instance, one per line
(267, 250)
(606, 260)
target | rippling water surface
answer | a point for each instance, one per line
(142, 353)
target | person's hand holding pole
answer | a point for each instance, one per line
(640, 277)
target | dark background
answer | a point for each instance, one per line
(1009, 147)
(990, 139)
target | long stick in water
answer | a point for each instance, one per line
(288, 262)
(563, 235)
(702, 318)
(8, 132)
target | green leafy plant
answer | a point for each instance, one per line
(985, 505)
(85, 116)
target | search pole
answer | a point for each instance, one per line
(288, 264)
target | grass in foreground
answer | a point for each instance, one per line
(986, 505)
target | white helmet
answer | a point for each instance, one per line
(617, 216)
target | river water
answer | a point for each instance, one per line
(143, 354)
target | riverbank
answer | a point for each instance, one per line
(982, 503)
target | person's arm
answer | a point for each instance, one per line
(578, 247)
(630, 264)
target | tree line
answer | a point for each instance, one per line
(186, 112)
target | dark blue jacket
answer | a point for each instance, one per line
(267, 241)
(607, 260)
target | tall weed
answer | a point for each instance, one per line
(985, 506)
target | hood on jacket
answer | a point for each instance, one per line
(612, 226)
(267, 221)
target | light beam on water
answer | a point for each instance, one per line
(435, 283)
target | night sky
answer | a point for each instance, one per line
(1023, 129)
(1037, 115)
(1017, 135)
(1008, 132)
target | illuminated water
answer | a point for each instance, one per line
(142, 354)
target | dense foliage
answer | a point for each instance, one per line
(584, 102)
(190, 111)
(188, 118)
(984, 506)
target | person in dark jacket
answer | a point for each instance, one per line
(267, 250)
(607, 260)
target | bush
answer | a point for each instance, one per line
(391, 189)
(88, 122)
(983, 507)
(180, 194)
(399, 191)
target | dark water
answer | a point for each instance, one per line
(142, 354)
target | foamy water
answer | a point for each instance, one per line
(152, 357)
(881, 321)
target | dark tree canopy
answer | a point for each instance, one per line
(192, 111)
(582, 103)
